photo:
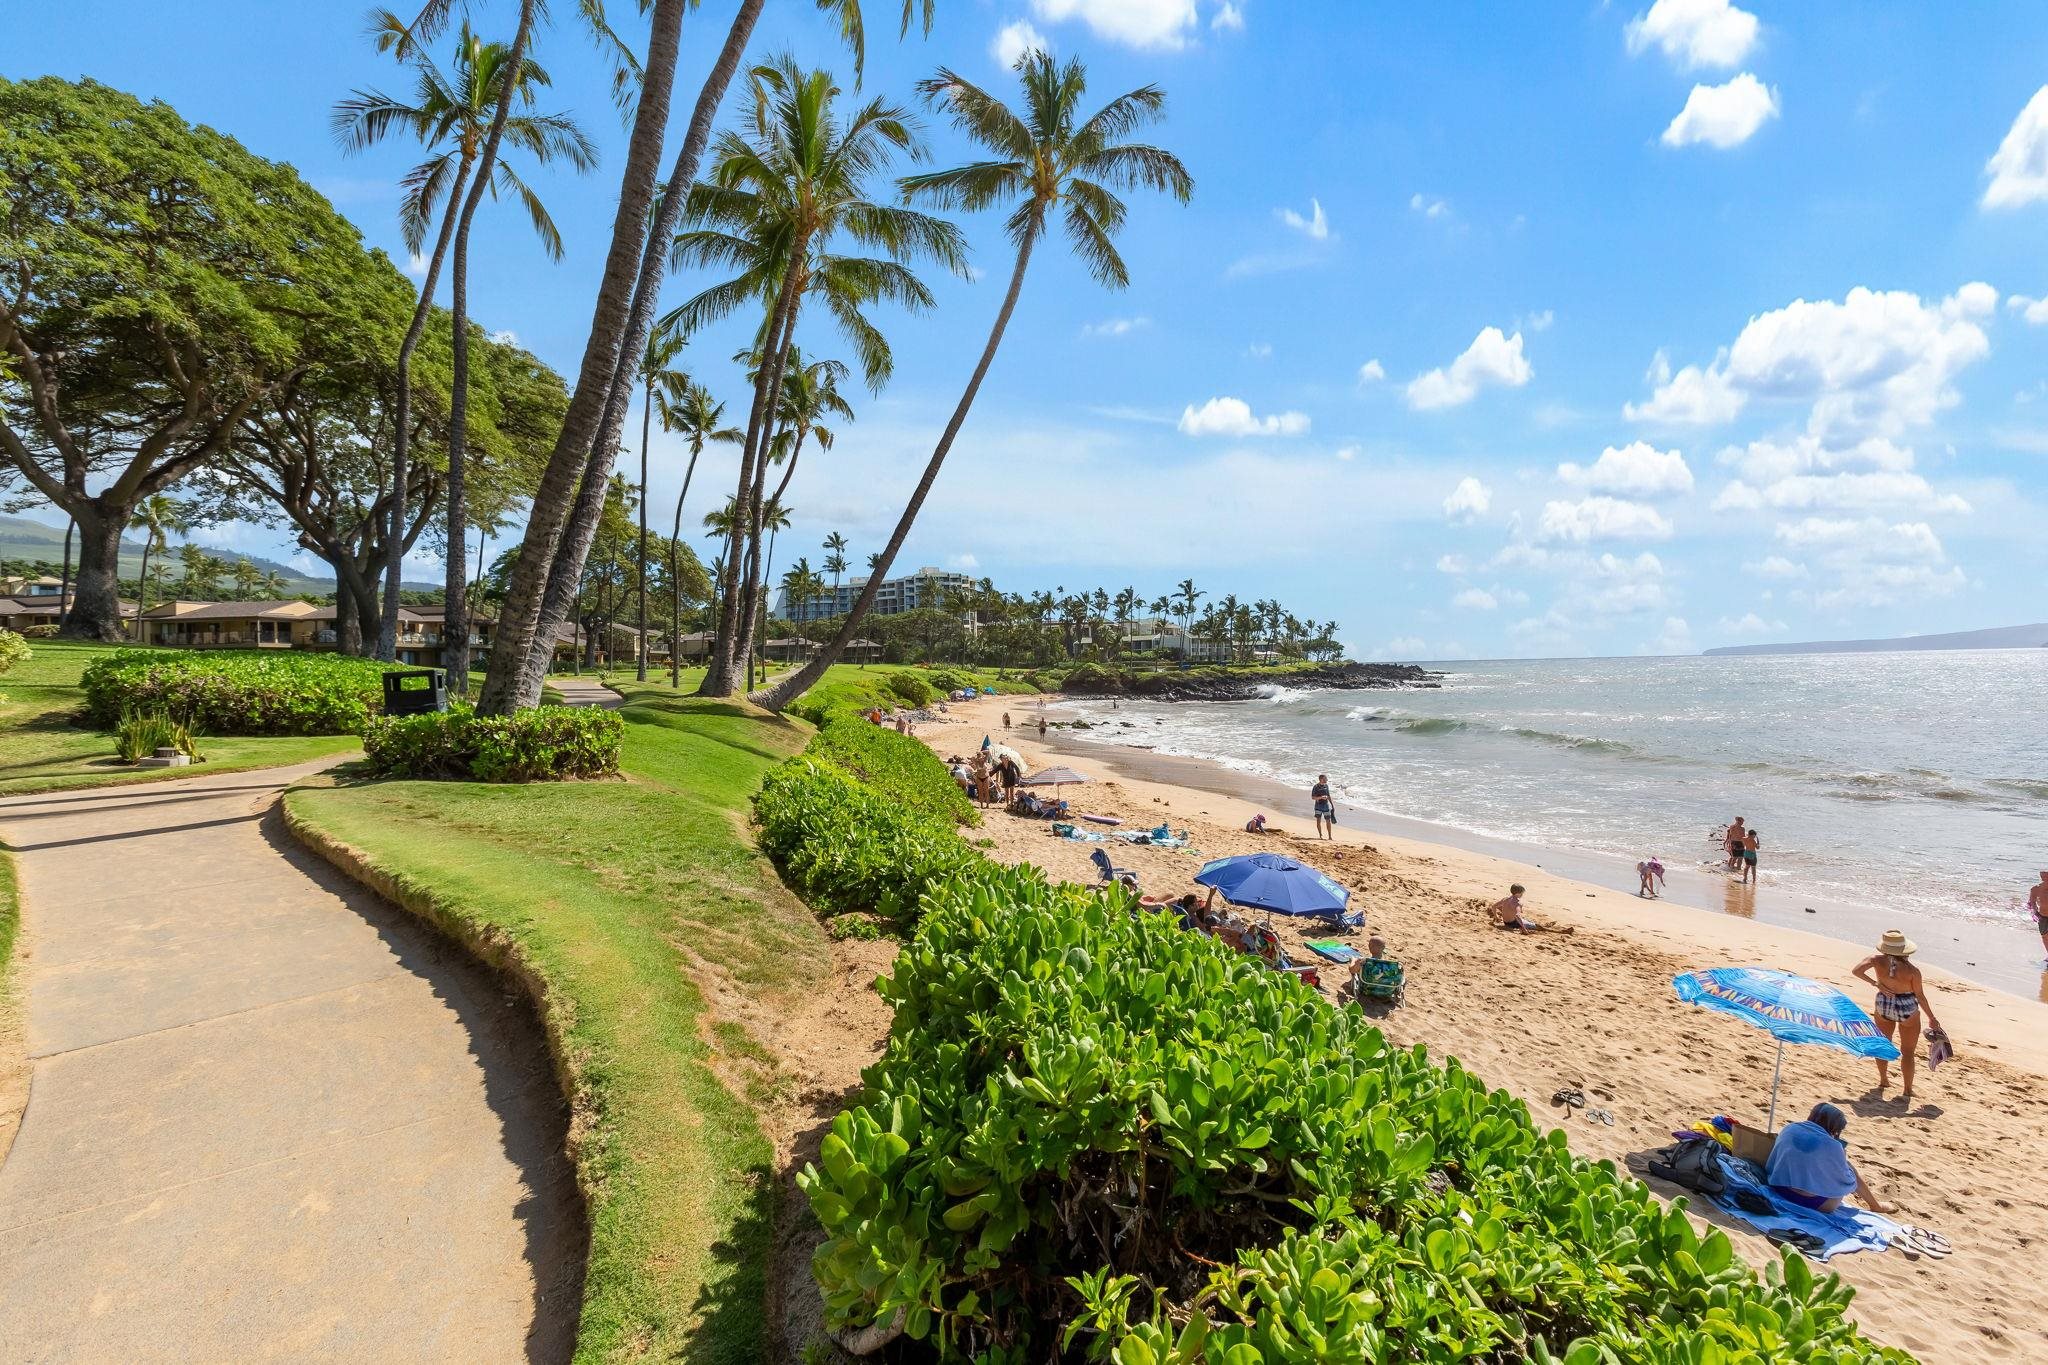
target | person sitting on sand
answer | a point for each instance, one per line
(2037, 901)
(1649, 876)
(1255, 825)
(1901, 997)
(1752, 844)
(1507, 913)
(1809, 1164)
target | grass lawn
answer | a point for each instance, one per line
(618, 898)
(41, 750)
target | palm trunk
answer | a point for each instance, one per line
(524, 645)
(792, 685)
(142, 587)
(646, 426)
(763, 591)
(675, 582)
(570, 501)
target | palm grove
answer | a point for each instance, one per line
(182, 317)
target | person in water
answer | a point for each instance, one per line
(1751, 846)
(1649, 876)
(1809, 1164)
(1325, 808)
(1901, 1000)
(1731, 843)
(2037, 902)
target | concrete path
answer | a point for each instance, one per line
(585, 690)
(270, 1117)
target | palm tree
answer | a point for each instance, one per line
(1048, 159)
(157, 515)
(1188, 597)
(835, 561)
(465, 113)
(695, 416)
(774, 517)
(785, 188)
(658, 370)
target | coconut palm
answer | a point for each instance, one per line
(786, 188)
(157, 516)
(695, 416)
(835, 560)
(773, 517)
(1048, 160)
(658, 370)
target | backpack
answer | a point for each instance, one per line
(1694, 1165)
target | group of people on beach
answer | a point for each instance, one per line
(1741, 845)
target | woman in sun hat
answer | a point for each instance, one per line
(1901, 998)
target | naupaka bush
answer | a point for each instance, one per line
(237, 691)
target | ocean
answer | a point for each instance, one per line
(1909, 784)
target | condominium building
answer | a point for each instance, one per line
(927, 587)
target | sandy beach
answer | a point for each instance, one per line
(1595, 1010)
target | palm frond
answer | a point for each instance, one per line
(1136, 166)
(543, 222)
(1122, 116)
(1095, 249)
(421, 190)
(970, 188)
(977, 113)
(870, 348)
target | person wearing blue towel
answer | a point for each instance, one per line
(1809, 1164)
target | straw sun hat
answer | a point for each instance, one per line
(1896, 944)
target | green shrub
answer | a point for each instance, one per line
(541, 744)
(898, 766)
(844, 846)
(139, 734)
(41, 630)
(13, 650)
(910, 689)
(238, 691)
(1093, 1135)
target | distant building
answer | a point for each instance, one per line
(927, 587)
(1157, 635)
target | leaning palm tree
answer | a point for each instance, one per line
(157, 515)
(695, 416)
(462, 115)
(658, 371)
(1047, 160)
(787, 186)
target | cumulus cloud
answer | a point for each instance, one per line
(1694, 33)
(1725, 115)
(1475, 599)
(1842, 493)
(1873, 562)
(1115, 327)
(1776, 567)
(1347, 452)
(1469, 500)
(505, 336)
(2019, 168)
(2035, 311)
(1371, 372)
(1315, 226)
(1636, 470)
(1690, 397)
(1492, 359)
(1234, 417)
(1013, 40)
(1429, 205)
(1260, 350)
(1135, 23)
(1451, 564)
(1601, 518)
(1675, 638)
(1750, 624)
(1228, 16)
(416, 265)
(963, 563)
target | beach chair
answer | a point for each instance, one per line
(1108, 870)
(1379, 978)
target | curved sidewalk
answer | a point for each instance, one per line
(269, 1116)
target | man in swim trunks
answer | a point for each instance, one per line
(1731, 844)
(1751, 846)
(2037, 901)
(1325, 808)
(1507, 913)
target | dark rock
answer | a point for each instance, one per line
(1218, 685)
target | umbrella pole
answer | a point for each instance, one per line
(1771, 1123)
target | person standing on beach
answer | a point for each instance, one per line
(1901, 997)
(1325, 808)
(1731, 843)
(2037, 901)
(1041, 728)
(1751, 846)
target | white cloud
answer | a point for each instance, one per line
(2019, 168)
(1602, 518)
(1234, 417)
(1637, 469)
(1451, 564)
(1347, 452)
(1475, 599)
(1873, 562)
(1136, 23)
(1843, 493)
(1675, 638)
(505, 336)
(1694, 33)
(1429, 205)
(1491, 359)
(1013, 40)
(2035, 311)
(416, 265)
(1537, 322)
(1723, 115)
(963, 563)
(1691, 397)
(1371, 372)
(1115, 327)
(1259, 350)
(1776, 567)
(1467, 501)
(1316, 226)
(1228, 16)
(1750, 624)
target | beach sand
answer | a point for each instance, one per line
(1595, 1010)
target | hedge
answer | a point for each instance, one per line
(896, 765)
(541, 744)
(237, 691)
(1094, 1135)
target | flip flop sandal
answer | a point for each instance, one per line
(1924, 1241)
(1570, 1099)
(1601, 1116)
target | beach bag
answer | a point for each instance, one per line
(1693, 1165)
(1939, 1049)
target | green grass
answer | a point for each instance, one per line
(42, 750)
(612, 898)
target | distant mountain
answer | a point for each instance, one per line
(1997, 637)
(21, 538)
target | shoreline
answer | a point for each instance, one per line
(1987, 954)
(1595, 1010)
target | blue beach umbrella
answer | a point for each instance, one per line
(1272, 882)
(1792, 1009)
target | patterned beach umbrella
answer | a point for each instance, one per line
(1792, 1009)
(1272, 881)
(1052, 777)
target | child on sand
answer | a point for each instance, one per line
(1507, 913)
(1649, 876)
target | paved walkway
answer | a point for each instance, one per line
(585, 690)
(270, 1117)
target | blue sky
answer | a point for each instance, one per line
(1492, 330)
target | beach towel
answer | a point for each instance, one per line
(1333, 950)
(1847, 1229)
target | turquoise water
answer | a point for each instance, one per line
(1914, 782)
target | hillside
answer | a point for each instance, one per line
(1996, 637)
(22, 538)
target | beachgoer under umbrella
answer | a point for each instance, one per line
(1809, 1164)
(1901, 999)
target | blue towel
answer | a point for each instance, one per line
(1846, 1229)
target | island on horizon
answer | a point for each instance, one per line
(1994, 637)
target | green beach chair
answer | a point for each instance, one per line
(1379, 978)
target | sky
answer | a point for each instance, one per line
(1491, 330)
